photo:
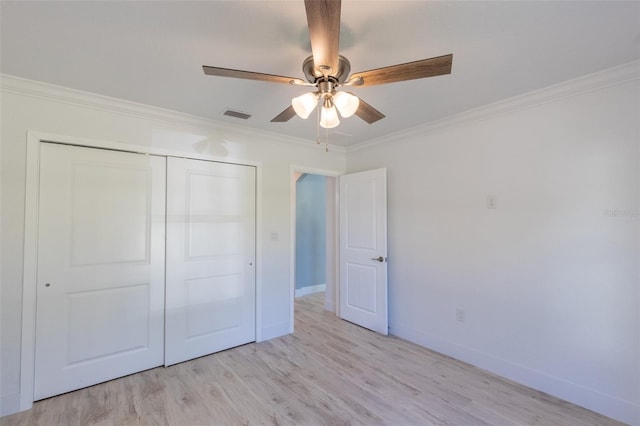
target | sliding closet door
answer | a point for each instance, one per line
(100, 296)
(210, 288)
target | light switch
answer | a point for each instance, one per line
(274, 236)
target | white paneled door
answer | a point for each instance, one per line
(101, 241)
(363, 249)
(210, 301)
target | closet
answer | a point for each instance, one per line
(143, 261)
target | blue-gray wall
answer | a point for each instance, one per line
(310, 231)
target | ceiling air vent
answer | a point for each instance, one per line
(236, 114)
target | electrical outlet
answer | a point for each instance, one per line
(460, 315)
(492, 202)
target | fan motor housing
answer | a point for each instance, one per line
(313, 73)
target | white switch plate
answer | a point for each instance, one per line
(274, 236)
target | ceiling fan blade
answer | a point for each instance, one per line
(323, 18)
(431, 67)
(368, 113)
(249, 75)
(285, 115)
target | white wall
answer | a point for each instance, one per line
(548, 280)
(31, 106)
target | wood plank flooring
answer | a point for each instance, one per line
(329, 372)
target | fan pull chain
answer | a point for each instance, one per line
(318, 124)
(326, 140)
(326, 134)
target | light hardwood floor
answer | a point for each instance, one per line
(328, 372)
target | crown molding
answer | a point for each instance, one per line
(54, 93)
(588, 83)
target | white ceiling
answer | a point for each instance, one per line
(152, 52)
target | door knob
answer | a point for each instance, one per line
(379, 258)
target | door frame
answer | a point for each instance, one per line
(30, 264)
(333, 250)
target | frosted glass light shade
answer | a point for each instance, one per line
(346, 103)
(303, 105)
(329, 117)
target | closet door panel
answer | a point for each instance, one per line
(100, 296)
(210, 289)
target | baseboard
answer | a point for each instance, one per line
(274, 330)
(608, 405)
(9, 404)
(305, 291)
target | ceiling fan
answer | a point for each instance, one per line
(326, 71)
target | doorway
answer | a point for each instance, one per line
(310, 247)
(314, 236)
(356, 246)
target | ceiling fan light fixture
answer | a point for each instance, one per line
(329, 116)
(326, 70)
(305, 104)
(346, 103)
